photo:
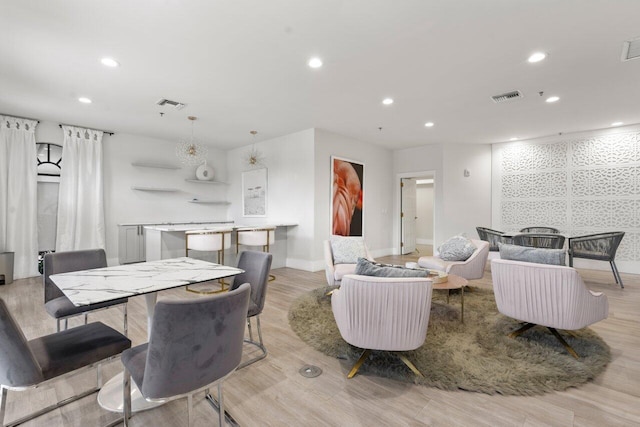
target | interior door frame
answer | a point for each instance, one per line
(398, 204)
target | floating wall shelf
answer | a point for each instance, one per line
(154, 165)
(210, 202)
(166, 190)
(200, 181)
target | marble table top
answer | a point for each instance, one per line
(109, 283)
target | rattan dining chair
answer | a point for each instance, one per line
(546, 230)
(539, 240)
(601, 247)
(491, 236)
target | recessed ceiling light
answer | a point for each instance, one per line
(84, 100)
(315, 63)
(537, 57)
(553, 99)
(429, 124)
(110, 62)
(513, 139)
(387, 101)
(617, 124)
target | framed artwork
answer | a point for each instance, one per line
(254, 192)
(347, 191)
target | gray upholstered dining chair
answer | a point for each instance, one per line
(601, 247)
(194, 343)
(29, 364)
(539, 240)
(56, 303)
(544, 230)
(256, 266)
(491, 236)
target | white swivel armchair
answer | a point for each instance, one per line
(471, 268)
(335, 272)
(548, 295)
(383, 313)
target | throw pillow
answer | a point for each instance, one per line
(536, 255)
(347, 250)
(457, 248)
(370, 268)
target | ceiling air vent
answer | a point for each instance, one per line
(163, 101)
(509, 96)
(631, 49)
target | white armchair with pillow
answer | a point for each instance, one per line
(383, 313)
(341, 256)
(548, 295)
(460, 256)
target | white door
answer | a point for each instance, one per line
(408, 215)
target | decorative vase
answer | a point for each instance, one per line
(204, 172)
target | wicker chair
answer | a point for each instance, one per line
(601, 247)
(546, 230)
(491, 236)
(539, 240)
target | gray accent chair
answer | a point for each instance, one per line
(193, 344)
(29, 364)
(539, 240)
(56, 303)
(491, 236)
(601, 247)
(256, 266)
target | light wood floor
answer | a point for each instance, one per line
(273, 393)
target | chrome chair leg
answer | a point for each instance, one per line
(126, 392)
(3, 404)
(190, 410)
(126, 321)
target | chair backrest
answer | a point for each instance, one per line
(539, 240)
(18, 365)
(602, 246)
(547, 230)
(64, 262)
(256, 266)
(260, 236)
(548, 295)
(194, 342)
(208, 240)
(473, 267)
(383, 313)
(491, 236)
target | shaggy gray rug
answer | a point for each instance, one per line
(475, 356)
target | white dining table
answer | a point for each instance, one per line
(146, 278)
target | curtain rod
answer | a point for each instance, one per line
(19, 117)
(108, 132)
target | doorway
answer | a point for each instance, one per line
(417, 198)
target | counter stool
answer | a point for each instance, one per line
(6, 268)
(216, 240)
(256, 236)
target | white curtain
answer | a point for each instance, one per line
(18, 194)
(80, 199)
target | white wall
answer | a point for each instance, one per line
(290, 186)
(378, 190)
(467, 200)
(124, 205)
(424, 212)
(460, 204)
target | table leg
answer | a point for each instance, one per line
(462, 304)
(110, 396)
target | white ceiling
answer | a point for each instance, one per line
(241, 66)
